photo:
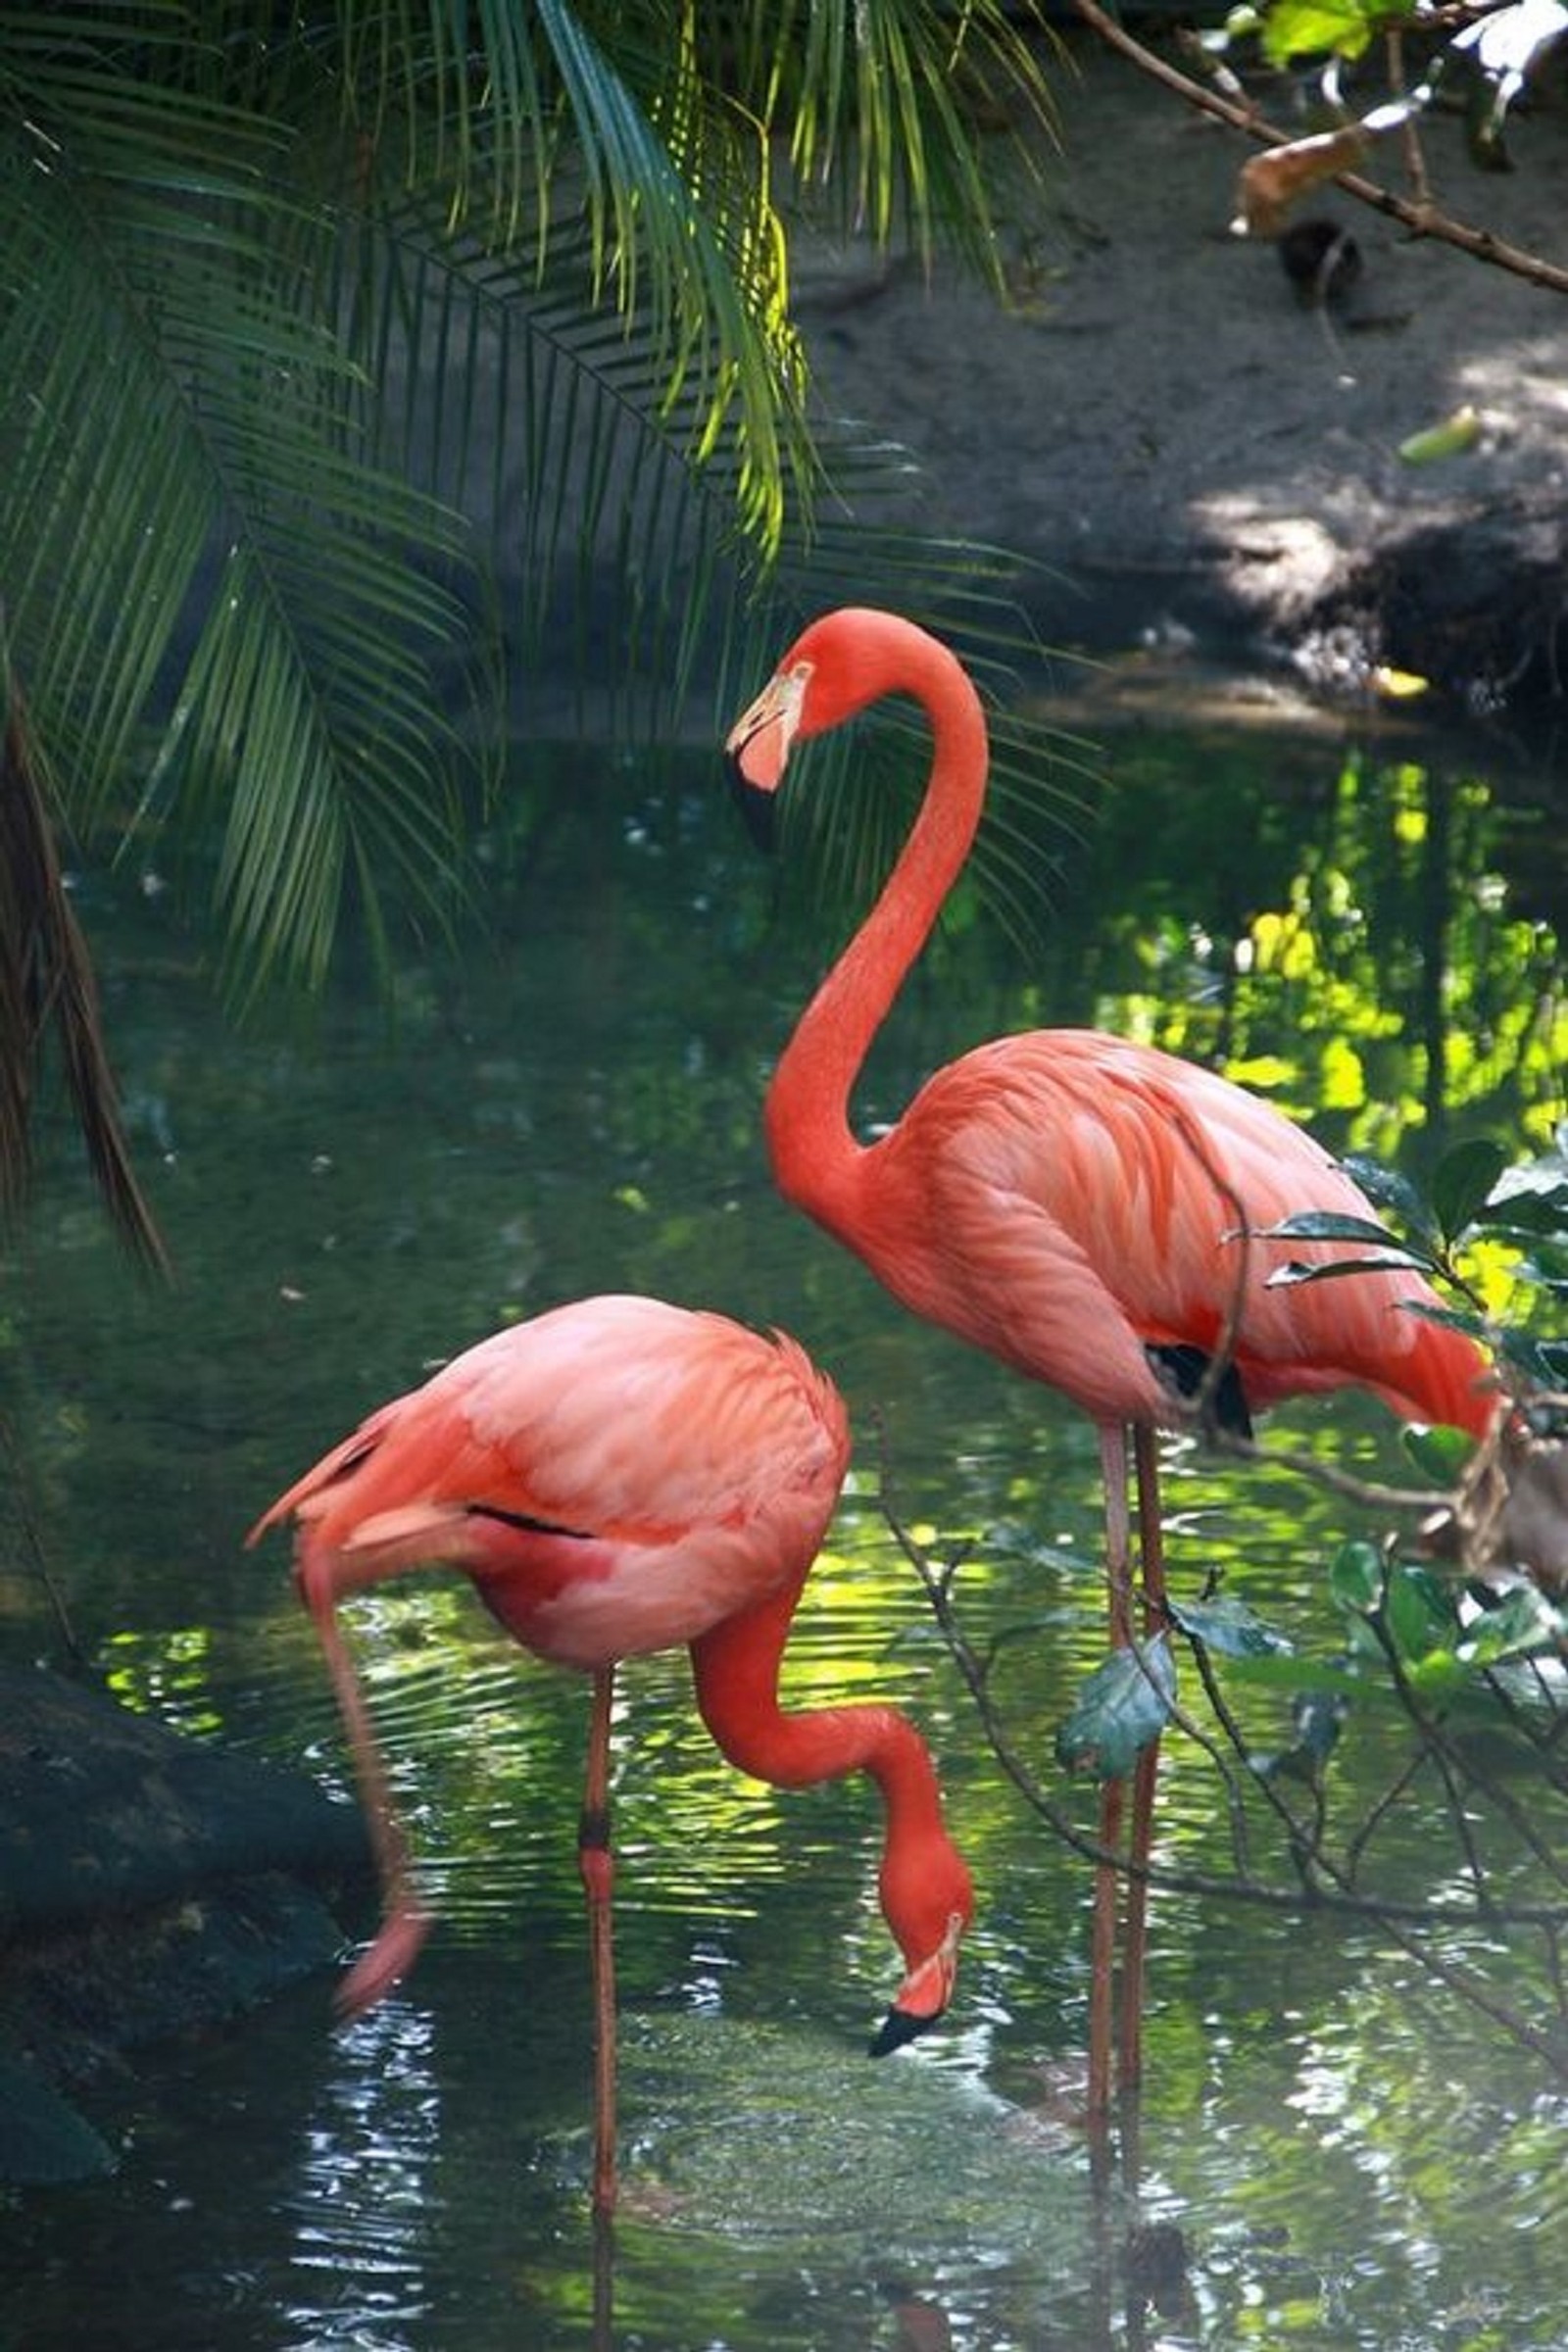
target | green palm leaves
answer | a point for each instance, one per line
(333, 339)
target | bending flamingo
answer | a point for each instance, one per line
(1064, 1199)
(620, 1476)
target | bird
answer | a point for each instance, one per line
(617, 1476)
(1089, 1209)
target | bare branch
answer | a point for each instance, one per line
(1422, 219)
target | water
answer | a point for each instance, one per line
(1352, 2153)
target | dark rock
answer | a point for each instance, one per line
(148, 1884)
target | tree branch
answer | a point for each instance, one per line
(1421, 219)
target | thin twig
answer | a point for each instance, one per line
(1450, 1765)
(1382, 1808)
(33, 1543)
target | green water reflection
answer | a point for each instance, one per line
(571, 1105)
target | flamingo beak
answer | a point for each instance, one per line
(755, 805)
(757, 747)
(923, 1996)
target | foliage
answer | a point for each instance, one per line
(369, 368)
(1512, 1221)
(1362, 958)
(46, 983)
(1493, 51)
(1122, 1706)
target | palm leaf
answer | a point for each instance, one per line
(895, 107)
(46, 983)
(516, 264)
(259, 612)
(584, 148)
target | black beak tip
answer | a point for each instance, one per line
(898, 2028)
(755, 804)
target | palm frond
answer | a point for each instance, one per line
(46, 983)
(582, 145)
(896, 104)
(204, 576)
(629, 587)
(285, 322)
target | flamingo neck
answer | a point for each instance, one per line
(736, 1670)
(814, 1153)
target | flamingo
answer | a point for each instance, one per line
(1088, 1209)
(620, 1476)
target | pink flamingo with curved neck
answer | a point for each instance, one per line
(620, 1476)
(1065, 1199)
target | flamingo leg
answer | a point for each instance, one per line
(596, 1865)
(1151, 1565)
(1103, 1938)
(405, 1921)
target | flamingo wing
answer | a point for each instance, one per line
(1072, 1202)
(616, 1475)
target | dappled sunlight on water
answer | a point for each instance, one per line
(1335, 2150)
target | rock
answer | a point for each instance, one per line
(148, 1884)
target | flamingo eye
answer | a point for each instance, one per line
(793, 684)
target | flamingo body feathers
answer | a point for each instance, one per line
(615, 1476)
(1075, 1203)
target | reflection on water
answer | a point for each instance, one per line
(574, 1109)
(368, 2194)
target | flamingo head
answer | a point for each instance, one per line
(835, 668)
(928, 1919)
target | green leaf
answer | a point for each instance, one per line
(1420, 1612)
(1530, 1199)
(1330, 1225)
(1291, 1673)
(1528, 1216)
(1437, 1676)
(1123, 1705)
(1335, 1225)
(1542, 1361)
(1228, 1627)
(1298, 1270)
(1453, 1318)
(1317, 27)
(1462, 1181)
(1387, 1188)
(1522, 1621)
(1355, 1577)
(1318, 1718)
(1440, 1454)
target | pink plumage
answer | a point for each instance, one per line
(616, 1476)
(620, 1476)
(1067, 1200)
(1061, 1198)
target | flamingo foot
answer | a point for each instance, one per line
(382, 1964)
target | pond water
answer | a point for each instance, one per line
(1352, 2152)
